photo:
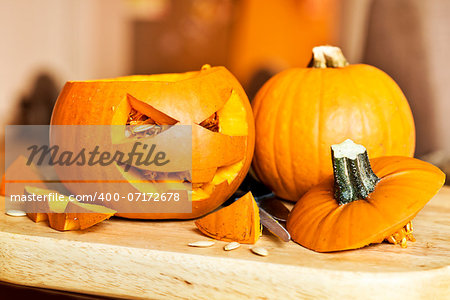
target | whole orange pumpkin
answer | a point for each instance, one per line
(211, 100)
(299, 113)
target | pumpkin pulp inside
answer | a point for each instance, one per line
(146, 121)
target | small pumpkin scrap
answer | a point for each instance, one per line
(362, 205)
(238, 222)
(18, 175)
(68, 214)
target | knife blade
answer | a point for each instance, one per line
(273, 226)
(275, 207)
(270, 207)
(268, 220)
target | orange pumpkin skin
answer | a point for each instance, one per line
(238, 222)
(3, 186)
(319, 223)
(20, 175)
(301, 112)
(220, 160)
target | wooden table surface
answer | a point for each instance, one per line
(151, 259)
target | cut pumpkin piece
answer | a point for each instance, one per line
(79, 216)
(238, 222)
(37, 211)
(70, 214)
(17, 176)
(37, 217)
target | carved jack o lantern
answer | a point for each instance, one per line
(211, 100)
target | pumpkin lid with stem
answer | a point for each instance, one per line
(364, 202)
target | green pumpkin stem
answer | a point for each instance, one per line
(353, 176)
(327, 57)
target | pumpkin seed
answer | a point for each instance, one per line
(403, 243)
(16, 213)
(202, 244)
(409, 227)
(141, 128)
(231, 246)
(260, 251)
(391, 239)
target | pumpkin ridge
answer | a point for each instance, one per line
(290, 141)
(326, 218)
(275, 143)
(319, 125)
(256, 106)
(384, 112)
(315, 211)
(356, 90)
(392, 85)
(266, 91)
(376, 105)
(388, 87)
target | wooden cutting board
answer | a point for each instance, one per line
(149, 259)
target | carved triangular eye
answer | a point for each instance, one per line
(212, 123)
(144, 111)
(144, 120)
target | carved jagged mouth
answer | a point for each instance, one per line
(155, 177)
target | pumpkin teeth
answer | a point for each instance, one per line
(402, 236)
(197, 185)
(155, 176)
(150, 175)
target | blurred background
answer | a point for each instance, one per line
(47, 42)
